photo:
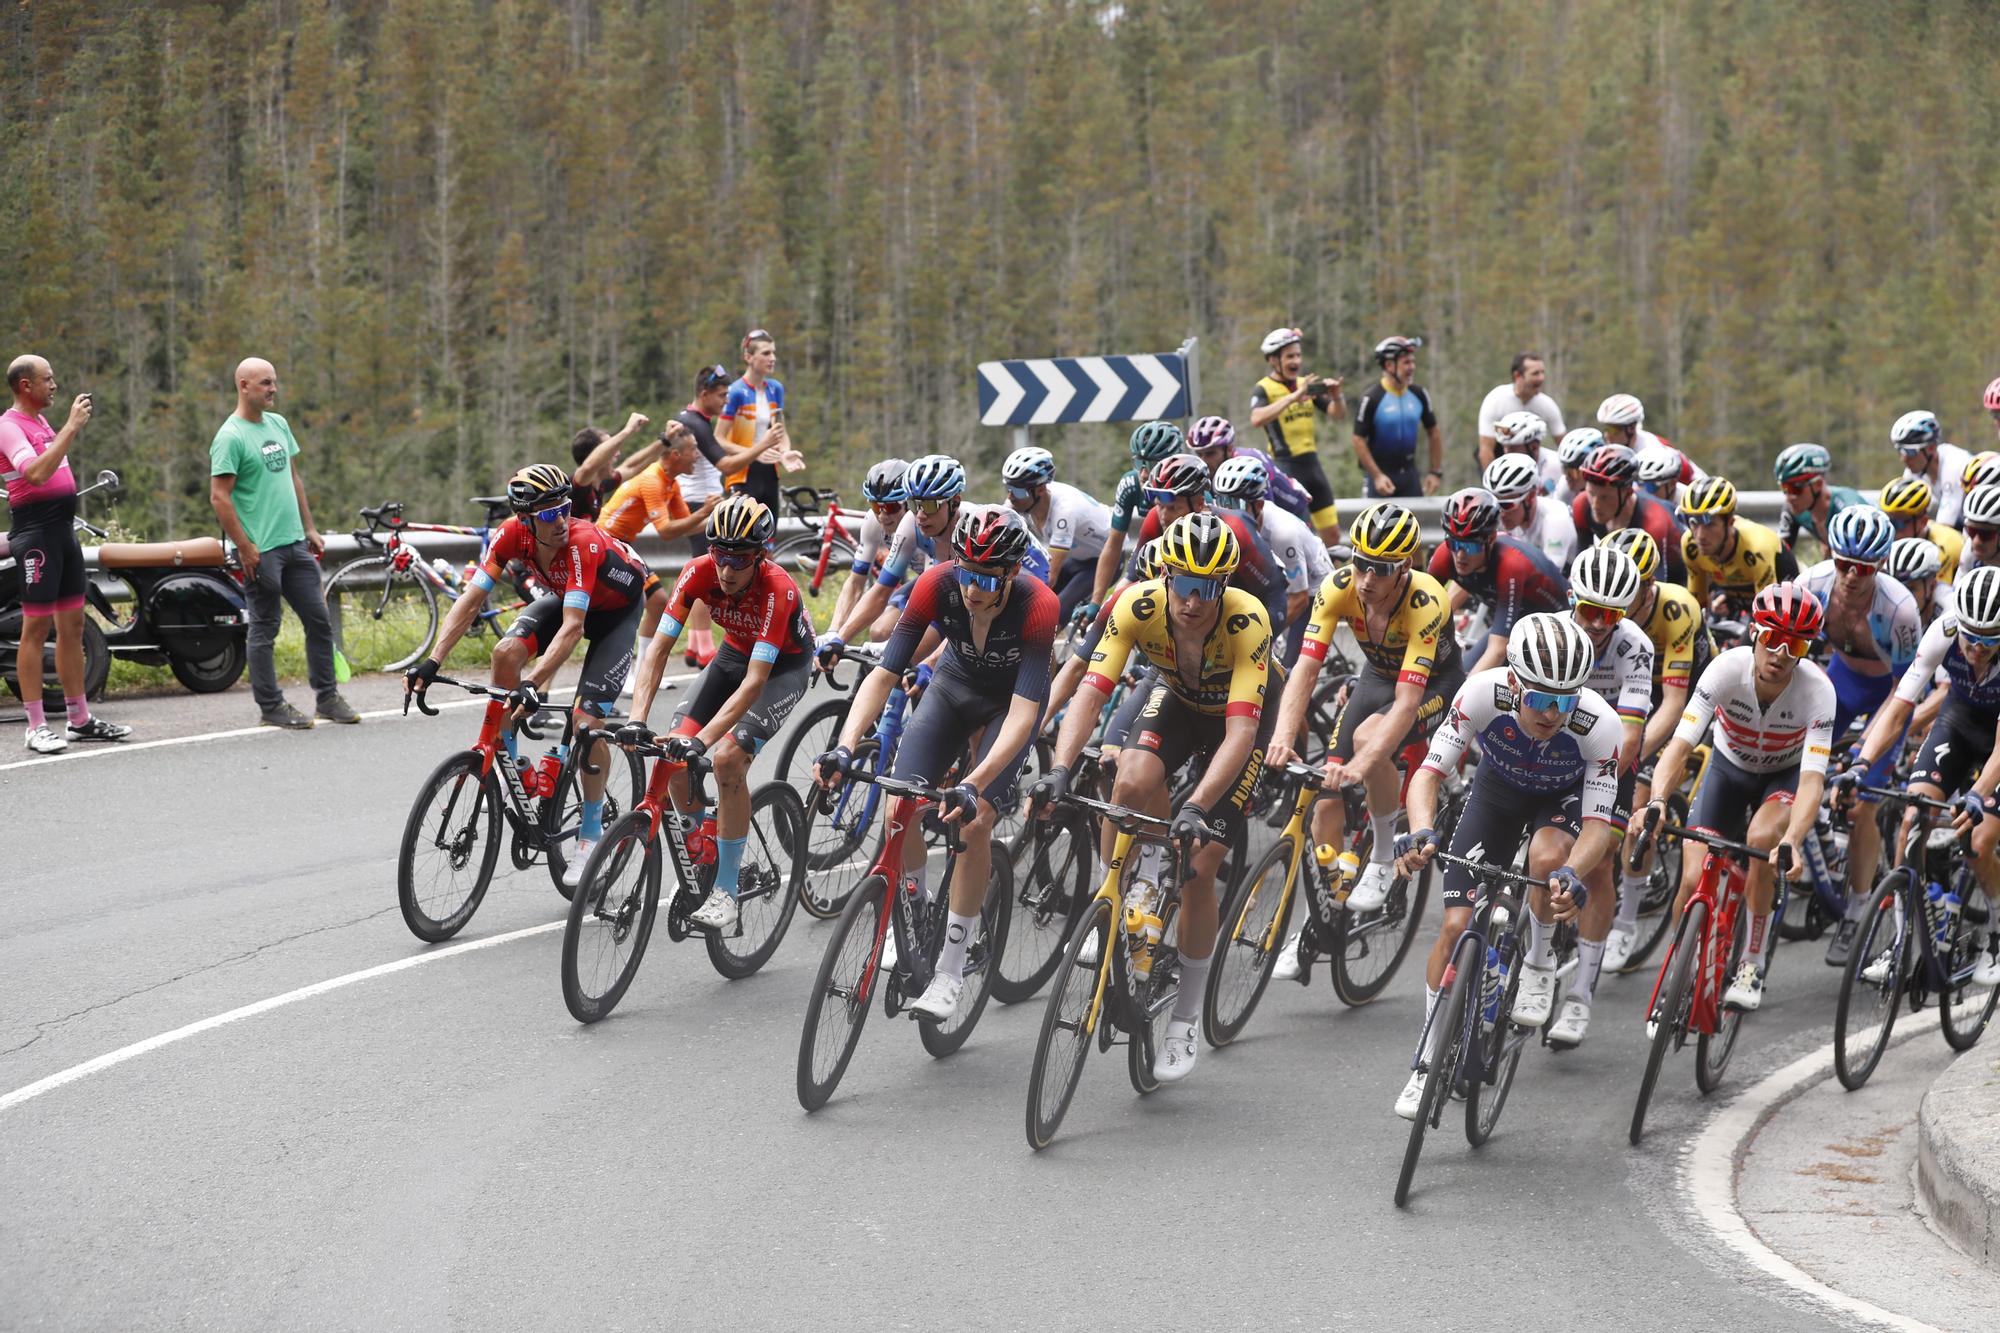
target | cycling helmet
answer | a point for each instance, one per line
(740, 520)
(1638, 544)
(1611, 464)
(1992, 398)
(1183, 474)
(1861, 532)
(1277, 340)
(989, 535)
(1660, 467)
(1512, 477)
(1981, 506)
(1906, 497)
(1621, 409)
(1710, 495)
(1200, 544)
(1982, 469)
(1914, 558)
(537, 486)
(1471, 514)
(935, 477)
(1520, 430)
(1606, 577)
(1801, 460)
(1976, 599)
(1392, 348)
(1149, 560)
(1156, 440)
(1550, 652)
(1241, 479)
(1211, 433)
(884, 483)
(1032, 466)
(1385, 532)
(1788, 608)
(1579, 444)
(1915, 429)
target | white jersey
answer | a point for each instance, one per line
(871, 544)
(1503, 400)
(1623, 672)
(1549, 530)
(1948, 487)
(1076, 523)
(1794, 728)
(1296, 547)
(1894, 624)
(1583, 756)
(1549, 468)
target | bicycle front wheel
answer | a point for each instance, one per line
(943, 1036)
(1484, 1101)
(1252, 936)
(835, 854)
(1961, 1011)
(1871, 986)
(450, 843)
(767, 884)
(1712, 1049)
(838, 1006)
(384, 618)
(1454, 1009)
(813, 733)
(1051, 880)
(1067, 1024)
(562, 814)
(1670, 1010)
(611, 920)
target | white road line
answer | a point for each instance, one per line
(139, 1048)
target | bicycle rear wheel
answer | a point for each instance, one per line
(1866, 1011)
(1484, 1101)
(1961, 1013)
(562, 814)
(1454, 1008)
(1370, 946)
(611, 920)
(1712, 1049)
(1051, 881)
(1065, 1038)
(1252, 936)
(451, 841)
(767, 884)
(941, 1038)
(384, 618)
(838, 1006)
(1669, 1014)
(813, 733)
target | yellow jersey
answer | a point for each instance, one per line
(1754, 564)
(1234, 667)
(1951, 544)
(1681, 643)
(1416, 640)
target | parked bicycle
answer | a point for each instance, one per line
(827, 544)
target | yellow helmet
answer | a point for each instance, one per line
(1709, 495)
(740, 520)
(1200, 544)
(1385, 532)
(537, 486)
(1637, 543)
(1149, 560)
(1907, 497)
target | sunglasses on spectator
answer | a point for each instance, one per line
(1844, 565)
(735, 557)
(1197, 586)
(713, 377)
(931, 504)
(981, 579)
(1777, 641)
(1976, 533)
(1381, 569)
(1464, 546)
(1541, 701)
(1593, 616)
(1972, 640)
(555, 515)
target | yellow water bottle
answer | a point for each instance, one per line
(1136, 941)
(1350, 866)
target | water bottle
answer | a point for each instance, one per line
(1489, 993)
(443, 567)
(1815, 862)
(547, 774)
(1934, 913)
(1142, 928)
(1948, 917)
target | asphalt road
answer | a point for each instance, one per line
(442, 1146)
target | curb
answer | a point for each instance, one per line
(1958, 1156)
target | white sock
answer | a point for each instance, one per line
(1589, 958)
(1631, 891)
(1430, 1030)
(1151, 865)
(1383, 848)
(957, 935)
(1760, 936)
(1194, 981)
(1541, 942)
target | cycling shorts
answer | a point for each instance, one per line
(50, 560)
(1305, 469)
(721, 678)
(1954, 749)
(607, 635)
(1496, 820)
(1078, 577)
(1855, 696)
(901, 597)
(1728, 796)
(1167, 727)
(937, 732)
(1372, 694)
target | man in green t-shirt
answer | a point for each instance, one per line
(261, 503)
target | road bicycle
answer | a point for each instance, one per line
(1916, 943)
(611, 914)
(826, 544)
(1663, 881)
(887, 901)
(451, 840)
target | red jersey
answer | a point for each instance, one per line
(591, 570)
(764, 622)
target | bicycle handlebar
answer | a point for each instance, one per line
(1900, 796)
(1480, 870)
(526, 722)
(1715, 842)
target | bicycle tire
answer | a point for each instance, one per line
(1857, 1053)
(1247, 948)
(1064, 1041)
(388, 628)
(1713, 1049)
(561, 815)
(769, 883)
(1051, 884)
(836, 856)
(424, 922)
(1152, 1001)
(1484, 1101)
(943, 1036)
(850, 952)
(1454, 1005)
(1670, 1013)
(626, 929)
(813, 733)
(1962, 1036)
(1662, 886)
(1398, 918)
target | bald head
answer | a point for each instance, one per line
(256, 387)
(31, 381)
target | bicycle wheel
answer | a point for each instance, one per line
(836, 844)
(1254, 921)
(1866, 1011)
(1669, 1014)
(1152, 1001)
(1067, 1022)
(611, 920)
(989, 940)
(450, 843)
(1712, 1049)
(384, 618)
(838, 1006)
(1453, 1007)
(1370, 946)
(813, 733)
(1484, 1101)
(1656, 905)
(1011, 823)
(1962, 1015)
(767, 884)
(1051, 881)
(561, 815)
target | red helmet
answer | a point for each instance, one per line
(1993, 396)
(1471, 514)
(1611, 464)
(1788, 608)
(993, 535)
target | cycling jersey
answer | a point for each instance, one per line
(1014, 656)
(1584, 754)
(1415, 641)
(1756, 560)
(747, 413)
(1790, 525)
(765, 622)
(651, 497)
(1515, 580)
(1296, 547)
(1257, 570)
(1948, 486)
(1951, 545)
(1548, 530)
(1938, 650)
(1894, 624)
(909, 551)
(1076, 523)
(1233, 667)
(1656, 519)
(23, 439)
(1391, 420)
(1292, 432)
(592, 570)
(1623, 671)
(1681, 642)
(1796, 728)
(871, 546)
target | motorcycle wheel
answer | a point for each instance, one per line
(211, 675)
(96, 663)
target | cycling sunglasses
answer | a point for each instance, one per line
(711, 377)
(932, 504)
(1155, 495)
(980, 579)
(1701, 520)
(1971, 640)
(1777, 641)
(888, 510)
(1020, 492)
(736, 557)
(1844, 565)
(1592, 616)
(1976, 533)
(1381, 569)
(1541, 701)
(1799, 485)
(1911, 450)
(1197, 586)
(1463, 546)
(555, 515)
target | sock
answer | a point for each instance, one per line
(1383, 848)
(1151, 863)
(703, 642)
(1541, 942)
(1630, 891)
(1194, 980)
(36, 718)
(1858, 903)
(1760, 936)
(512, 746)
(728, 862)
(957, 935)
(592, 826)
(1589, 958)
(1430, 1029)
(79, 711)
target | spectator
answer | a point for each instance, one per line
(755, 410)
(41, 501)
(1282, 407)
(598, 468)
(1521, 393)
(1387, 421)
(713, 461)
(260, 500)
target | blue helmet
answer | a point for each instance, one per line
(1031, 466)
(1861, 532)
(934, 477)
(1914, 430)
(884, 483)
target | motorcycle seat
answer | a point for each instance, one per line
(195, 551)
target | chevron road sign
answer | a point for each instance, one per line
(1054, 390)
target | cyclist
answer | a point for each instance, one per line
(1282, 405)
(998, 623)
(1070, 674)
(1664, 472)
(1810, 503)
(1623, 419)
(1151, 442)
(1401, 619)
(1213, 441)
(933, 488)
(1981, 527)
(601, 592)
(1177, 487)
(1919, 440)
(1773, 714)
(1982, 469)
(1070, 522)
(1386, 423)
(1907, 502)
(1917, 564)
(1548, 774)
(1241, 485)
(1526, 514)
(1475, 563)
(1576, 447)
(654, 496)
(883, 490)
(1211, 646)
(748, 688)
(1524, 433)
(1991, 402)
(1611, 500)
(1729, 559)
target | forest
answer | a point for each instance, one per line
(463, 228)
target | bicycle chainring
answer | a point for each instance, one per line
(524, 853)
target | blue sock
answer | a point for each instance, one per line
(592, 827)
(728, 860)
(513, 746)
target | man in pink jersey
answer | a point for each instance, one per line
(41, 501)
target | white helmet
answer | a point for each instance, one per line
(1976, 599)
(1030, 465)
(1240, 479)
(1277, 340)
(1913, 430)
(1577, 445)
(1914, 558)
(1982, 505)
(1661, 464)
(1513, 477)
(1520, 430)
(1605, 576)
(1621, 409)
(1550, 652)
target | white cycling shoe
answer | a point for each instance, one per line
(578, 859)
(1987, 971)
(1535, 998)
(1567, 1031)
(1287, 967)
(1747, 991)
(940, 998)
(46, 740)
(1372, 889)
(1618, 948)
(1877, 972)
(1411, 1099)
(717, 912)
(1175, 1060)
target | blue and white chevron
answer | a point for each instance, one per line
(1053, 390)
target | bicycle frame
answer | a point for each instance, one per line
(1129, 822)
(1486, 942)
(1911, 918)
(1721, 867)
(905, 811)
